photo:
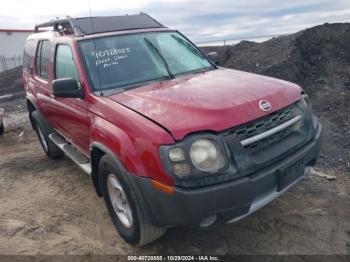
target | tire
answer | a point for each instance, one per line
(2, 128)
(138, 231)
(43, 130)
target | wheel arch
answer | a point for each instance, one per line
(98, 150)
(31, 107)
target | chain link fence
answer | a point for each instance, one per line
(10, 62)
(233, 41)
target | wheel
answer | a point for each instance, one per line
(2, 129)
(43, 131)
(125, 209)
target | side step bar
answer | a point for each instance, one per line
(80, 159)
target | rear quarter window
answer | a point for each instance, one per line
(28, 54)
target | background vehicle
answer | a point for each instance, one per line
(168, 138)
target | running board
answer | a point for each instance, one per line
(80, 159)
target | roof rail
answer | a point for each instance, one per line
(59, 24)
(102, 24)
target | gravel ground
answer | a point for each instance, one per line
(50, 207)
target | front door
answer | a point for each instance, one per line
(70, 116)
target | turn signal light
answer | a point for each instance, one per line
(162, 187)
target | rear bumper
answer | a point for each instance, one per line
(230, 201)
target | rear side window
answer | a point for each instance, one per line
(64, 63)
(43, 59)
(29, 52)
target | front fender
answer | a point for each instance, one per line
(137, 149)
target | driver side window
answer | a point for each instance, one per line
(64, 63)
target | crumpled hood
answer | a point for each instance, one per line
(214, 100)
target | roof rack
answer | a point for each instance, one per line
(59, 24)
(101, 24)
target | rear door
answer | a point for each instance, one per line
(41, 79)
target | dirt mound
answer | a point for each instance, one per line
(320, 55)
(318, 59)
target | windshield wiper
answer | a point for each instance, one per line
(188, 45)
(124, 87)
(156, 50)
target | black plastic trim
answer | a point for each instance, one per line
(233, 199)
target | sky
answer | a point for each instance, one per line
(200, 20)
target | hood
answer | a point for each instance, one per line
(212, 101)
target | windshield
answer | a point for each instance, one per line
(126, 60)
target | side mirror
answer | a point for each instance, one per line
(214, 56)
(66, 88)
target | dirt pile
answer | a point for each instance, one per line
(318, 59)
(316, 56)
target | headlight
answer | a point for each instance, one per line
(176, 154)
(196, 156)
(306, 100)
(206, 155)
(181, 170)
(315, 121)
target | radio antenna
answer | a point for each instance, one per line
(93, 42)
(90, 12)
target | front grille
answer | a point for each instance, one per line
(264, 124)
(257, 146)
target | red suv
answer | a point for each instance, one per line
(168, 137)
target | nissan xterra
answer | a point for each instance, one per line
(168, 137)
